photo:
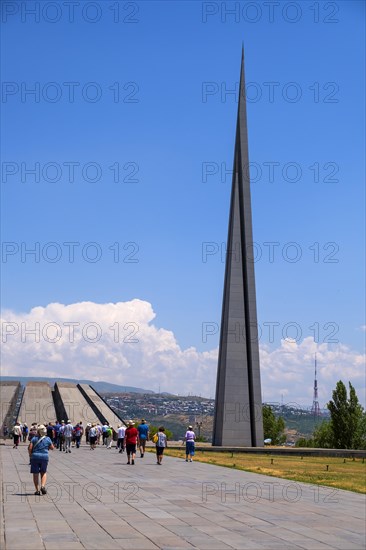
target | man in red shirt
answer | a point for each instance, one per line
(131, 437)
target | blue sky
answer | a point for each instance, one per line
(148, 95)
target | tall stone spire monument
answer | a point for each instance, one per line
(238, 407)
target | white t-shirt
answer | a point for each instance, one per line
(161, 439)
(17, 430)
(121, 432)
(190, 436)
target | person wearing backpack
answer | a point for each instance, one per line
(38, 453)
(77, 433)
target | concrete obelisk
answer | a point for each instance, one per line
(238, 407)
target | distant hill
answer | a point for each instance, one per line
(101, 387)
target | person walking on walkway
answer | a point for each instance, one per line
(32, 431)
(61, 436)
(104, 432)
(50, 431)
(93, 435)
(109, 437)
(78, 432)
(38, 453)
(69, 428)
(161, 444)
(99, 432)
(121, 438)
(25, 432)
(56, 427)
(143, 430)
(87, 430)
(17, 434)
(131, 437)
(189, 439)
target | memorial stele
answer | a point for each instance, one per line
(238, 406)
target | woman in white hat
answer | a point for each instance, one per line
(38, 454)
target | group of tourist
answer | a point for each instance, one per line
(95, 433)
(20, 432)
(62, 435)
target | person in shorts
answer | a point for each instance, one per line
(161, 444)
(38, 453)
(143, 430)
(131, 437)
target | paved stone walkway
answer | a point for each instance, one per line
(96, 501)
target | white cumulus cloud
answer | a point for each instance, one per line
(291, 367)
(119, 343)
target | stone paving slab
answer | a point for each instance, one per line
(96, 501)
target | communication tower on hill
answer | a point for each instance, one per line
(315, 409)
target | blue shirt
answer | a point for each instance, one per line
(143, 430)
(41, 451)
